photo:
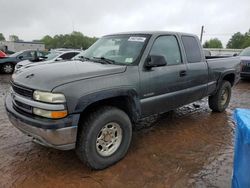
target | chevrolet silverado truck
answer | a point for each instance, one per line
(92, 103)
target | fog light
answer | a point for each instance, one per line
(50, 114)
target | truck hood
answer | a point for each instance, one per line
(50, 75)
(28, 63)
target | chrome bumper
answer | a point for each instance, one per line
(63, 138)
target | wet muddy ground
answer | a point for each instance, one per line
(190, 147)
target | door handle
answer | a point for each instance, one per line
(183, 73)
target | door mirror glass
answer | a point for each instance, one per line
(155, 61)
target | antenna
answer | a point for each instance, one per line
(202, 32)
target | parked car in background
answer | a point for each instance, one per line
(8, 63)
(245, 63)
(2, 54)
(53, 56)
(90, 104)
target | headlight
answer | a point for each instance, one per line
(50, 114)
(49, 97)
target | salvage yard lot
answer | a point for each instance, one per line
(190, 147)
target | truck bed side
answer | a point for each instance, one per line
(219, 68)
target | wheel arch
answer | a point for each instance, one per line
(124, 99)
(230, 77)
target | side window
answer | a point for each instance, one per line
(168, 47)
(68, 56)
(192, 49)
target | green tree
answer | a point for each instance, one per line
(239, 40)
(213, 43)
(14, 38)
(2, 38)
(73, 40)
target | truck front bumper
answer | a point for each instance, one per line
(60, 134)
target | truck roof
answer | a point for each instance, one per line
(152, 33)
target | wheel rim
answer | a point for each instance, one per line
(8, 68)
(224, 96)
(109, 139)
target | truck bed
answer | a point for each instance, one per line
(218, 65)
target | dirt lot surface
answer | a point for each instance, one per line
(190, 147)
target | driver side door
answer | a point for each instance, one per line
(161, 87)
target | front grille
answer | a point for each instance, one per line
(246, 67)
(24, 106)
(23, 91)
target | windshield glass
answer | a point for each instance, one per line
(245, 52)
(52, 55)
(122, 49)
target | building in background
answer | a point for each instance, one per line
(16, 46)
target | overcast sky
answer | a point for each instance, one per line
(32, 19)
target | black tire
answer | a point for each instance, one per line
(8, 68)
(217, 102)
(86, 145)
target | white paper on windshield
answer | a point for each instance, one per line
(137, 39)
(129, 60)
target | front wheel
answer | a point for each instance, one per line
(8, 68)
(104, 137)
(220, 100)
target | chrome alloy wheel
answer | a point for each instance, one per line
(8, 68)
(109, 139)
(224, 96)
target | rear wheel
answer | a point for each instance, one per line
(104, 137)
(8, 68)
(220, 100)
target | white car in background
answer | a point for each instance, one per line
(53, 56)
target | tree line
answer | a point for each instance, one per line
(80, 41)
(74, 40)
(237, 41)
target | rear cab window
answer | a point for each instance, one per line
(192, 49)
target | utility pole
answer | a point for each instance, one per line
(202, 31)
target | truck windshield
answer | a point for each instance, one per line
(245, 52)
(118, 49)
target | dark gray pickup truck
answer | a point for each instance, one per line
(91, 104)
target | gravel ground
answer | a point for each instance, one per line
(189, 147)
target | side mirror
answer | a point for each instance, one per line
(235, 54)
(20, 57)
(59, 59)
(155, 61)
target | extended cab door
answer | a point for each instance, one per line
(197, 69)
(160, 86)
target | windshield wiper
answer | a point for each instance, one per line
(106, 60)
(83, 58)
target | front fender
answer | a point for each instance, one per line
(131, 94)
